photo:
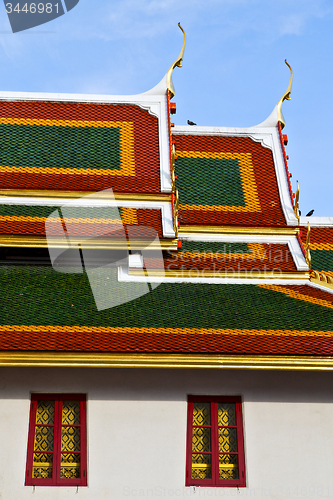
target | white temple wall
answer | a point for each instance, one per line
(136, 422)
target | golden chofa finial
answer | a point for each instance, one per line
(178, 62)
(296, 208)
(307, 247)
(286, 96)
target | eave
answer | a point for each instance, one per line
(211, 361)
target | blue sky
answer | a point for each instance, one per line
(233, 72)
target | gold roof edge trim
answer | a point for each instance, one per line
(27, 193)
(103, 244)
(296, 207)
(199, 361)
(178, 62)
(308, 247)
(222, 274)
(285, 97)
(292, 231)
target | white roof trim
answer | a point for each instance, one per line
(269, 138)
(263, 135)
(291, 241)
(271, 121)
(155, 104)
(164, 206)
(320, 287)
(317, 221)
(297, 255)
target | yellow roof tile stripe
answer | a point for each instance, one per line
(13, 218)
(41, 329)
(298, 295)
(61, 171)
(62, 123)
(321, 246)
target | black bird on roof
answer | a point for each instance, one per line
(310, 213)
(190, 123)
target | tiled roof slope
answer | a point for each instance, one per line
(42, 310)
(200, 255)
(30, 220)
(78, 146)
(224, 180)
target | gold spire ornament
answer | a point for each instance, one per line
(178, 62)
(173, 162)
(307, 247)
(285, 97)
(296, 208)
(175, 212)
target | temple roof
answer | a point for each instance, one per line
(226, 180)
(180, 241)
(91, 221)
(44, 310)
(78, 146)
